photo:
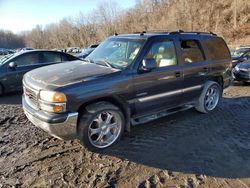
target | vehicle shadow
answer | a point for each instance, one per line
(14, 98)
(238, 83)
(215, 144)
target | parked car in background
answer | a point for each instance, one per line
(241, 72)
(4, 51)
(239, 55)
(14, 66)
(27, 48)
(128, 79)
(85, 53)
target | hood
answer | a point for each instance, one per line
(64, 74)
(244, 65)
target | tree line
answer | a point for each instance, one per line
(10, 40)
(228, 18)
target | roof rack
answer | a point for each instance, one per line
(192, 32)
(176, 32)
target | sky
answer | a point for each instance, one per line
(23, 15)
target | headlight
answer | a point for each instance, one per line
(51, 101)
(51, 96)
(237, 68)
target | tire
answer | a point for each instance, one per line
(100, 125)
(209, 98)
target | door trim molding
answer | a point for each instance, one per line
(165, 94)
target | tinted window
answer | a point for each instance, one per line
(163, 53)
(191, 51)
(51, 57)
(27, 59)
(217, 48)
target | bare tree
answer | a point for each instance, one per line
(228, 18)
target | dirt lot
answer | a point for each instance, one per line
(187, 149)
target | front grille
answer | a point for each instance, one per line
(31, 96)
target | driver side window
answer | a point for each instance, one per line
(163, 53)
(28, 59)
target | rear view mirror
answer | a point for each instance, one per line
(148, 65)
(12, 65)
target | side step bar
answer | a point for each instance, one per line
(160, 114)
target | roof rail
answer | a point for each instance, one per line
(192, 32)
(176, 32)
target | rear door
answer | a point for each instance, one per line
(195, 67)
(160, 88)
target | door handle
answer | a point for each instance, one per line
(177, 74)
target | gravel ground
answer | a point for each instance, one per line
(187, 149)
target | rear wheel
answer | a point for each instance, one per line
(100, 125)
(209, 97)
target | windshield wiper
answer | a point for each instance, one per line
(105, 63)
(100, 62)
(87, 60)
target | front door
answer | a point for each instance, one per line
(24, 63)
(160, 88)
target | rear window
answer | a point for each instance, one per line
(217, 48)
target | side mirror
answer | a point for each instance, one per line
(12, 65)
(148, 65)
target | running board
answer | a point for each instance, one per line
(160, 114)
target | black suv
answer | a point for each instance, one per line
(127, 80)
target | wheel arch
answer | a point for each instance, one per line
(115, 101)
(219, 80)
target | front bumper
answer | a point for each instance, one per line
(63, 128)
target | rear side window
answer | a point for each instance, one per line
(51, 57)
(217, 48)
(191, 51)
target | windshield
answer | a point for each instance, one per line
(116, 52)
(5, 58)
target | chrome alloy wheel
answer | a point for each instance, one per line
(212, 97)
(105, 129)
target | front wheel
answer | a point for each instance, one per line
(101, 125)
(209, 97)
